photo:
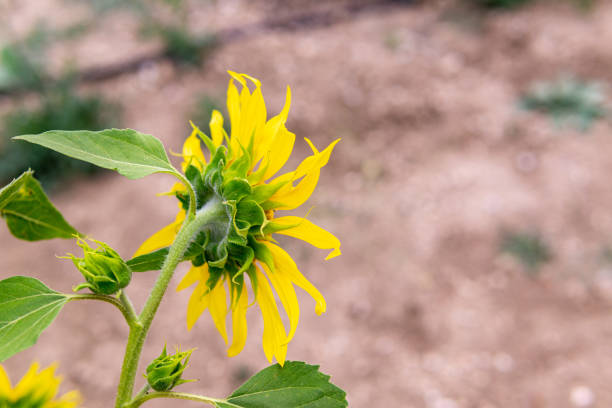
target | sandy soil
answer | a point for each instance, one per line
(436, 160)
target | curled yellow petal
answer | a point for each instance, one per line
(284, 263)
(270, 138)
(218, 308)
(239, 323)
(286, 293)
(216, 128)
(162, 238)
(290, 196)
(303, 229)
(233, 108)
(274, 337)
(192, 152)
(279, 152)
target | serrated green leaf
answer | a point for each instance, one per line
(28, 212)
(297, 384)
(131, 153)
(27, 307)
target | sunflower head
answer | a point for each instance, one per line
(37, 389)
(239, 180)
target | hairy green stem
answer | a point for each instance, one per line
(175, 395)
(192, 197)
(127, 303)
(138, 334)
(130, 317)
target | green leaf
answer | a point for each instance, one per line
(131, 153)
(153, 261)
(297, 384)
(28, 212)
(12, 189)
(27, 307)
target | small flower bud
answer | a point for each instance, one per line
(103, 269)
(164, 373)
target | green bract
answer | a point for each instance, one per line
(229, 244)
(103, 269)
(164, 373)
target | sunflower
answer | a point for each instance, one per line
(239, 177)
(35, 390)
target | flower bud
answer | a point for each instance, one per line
(164, 373)
(102, 268)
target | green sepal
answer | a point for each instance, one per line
(263, 192)
(258, 175)
(296, 384)
(207, 140)
(243, 256)
(27, 308)
(271, 227)
(250, 214)
(236, 189)
(28, 212)
(262, 253)
(239, 167)
(270, 205)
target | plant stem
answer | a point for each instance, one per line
(175, 395)
(127, 304)
(130, 317)
(138, 334)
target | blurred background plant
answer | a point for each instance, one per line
(58, 104)
(568, 101)
(511, 4)
(202, 110)
(528, 248)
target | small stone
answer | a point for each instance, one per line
(582, 396)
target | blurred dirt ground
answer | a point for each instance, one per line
(436, 161)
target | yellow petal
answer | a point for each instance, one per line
(5, 384)
(198, 303)
(192, 152)
(270, 131)
(274, 337)
(69, 400)
(178, 187)
(316, 161)
(233, 108)
(279, 152)
(192, 276)
(284, 263)
(239, 323)
(307, 231)
(290, 197)
(162, 238)
(216, 128)
(293, 197)
(218, 308)
(286, 293)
